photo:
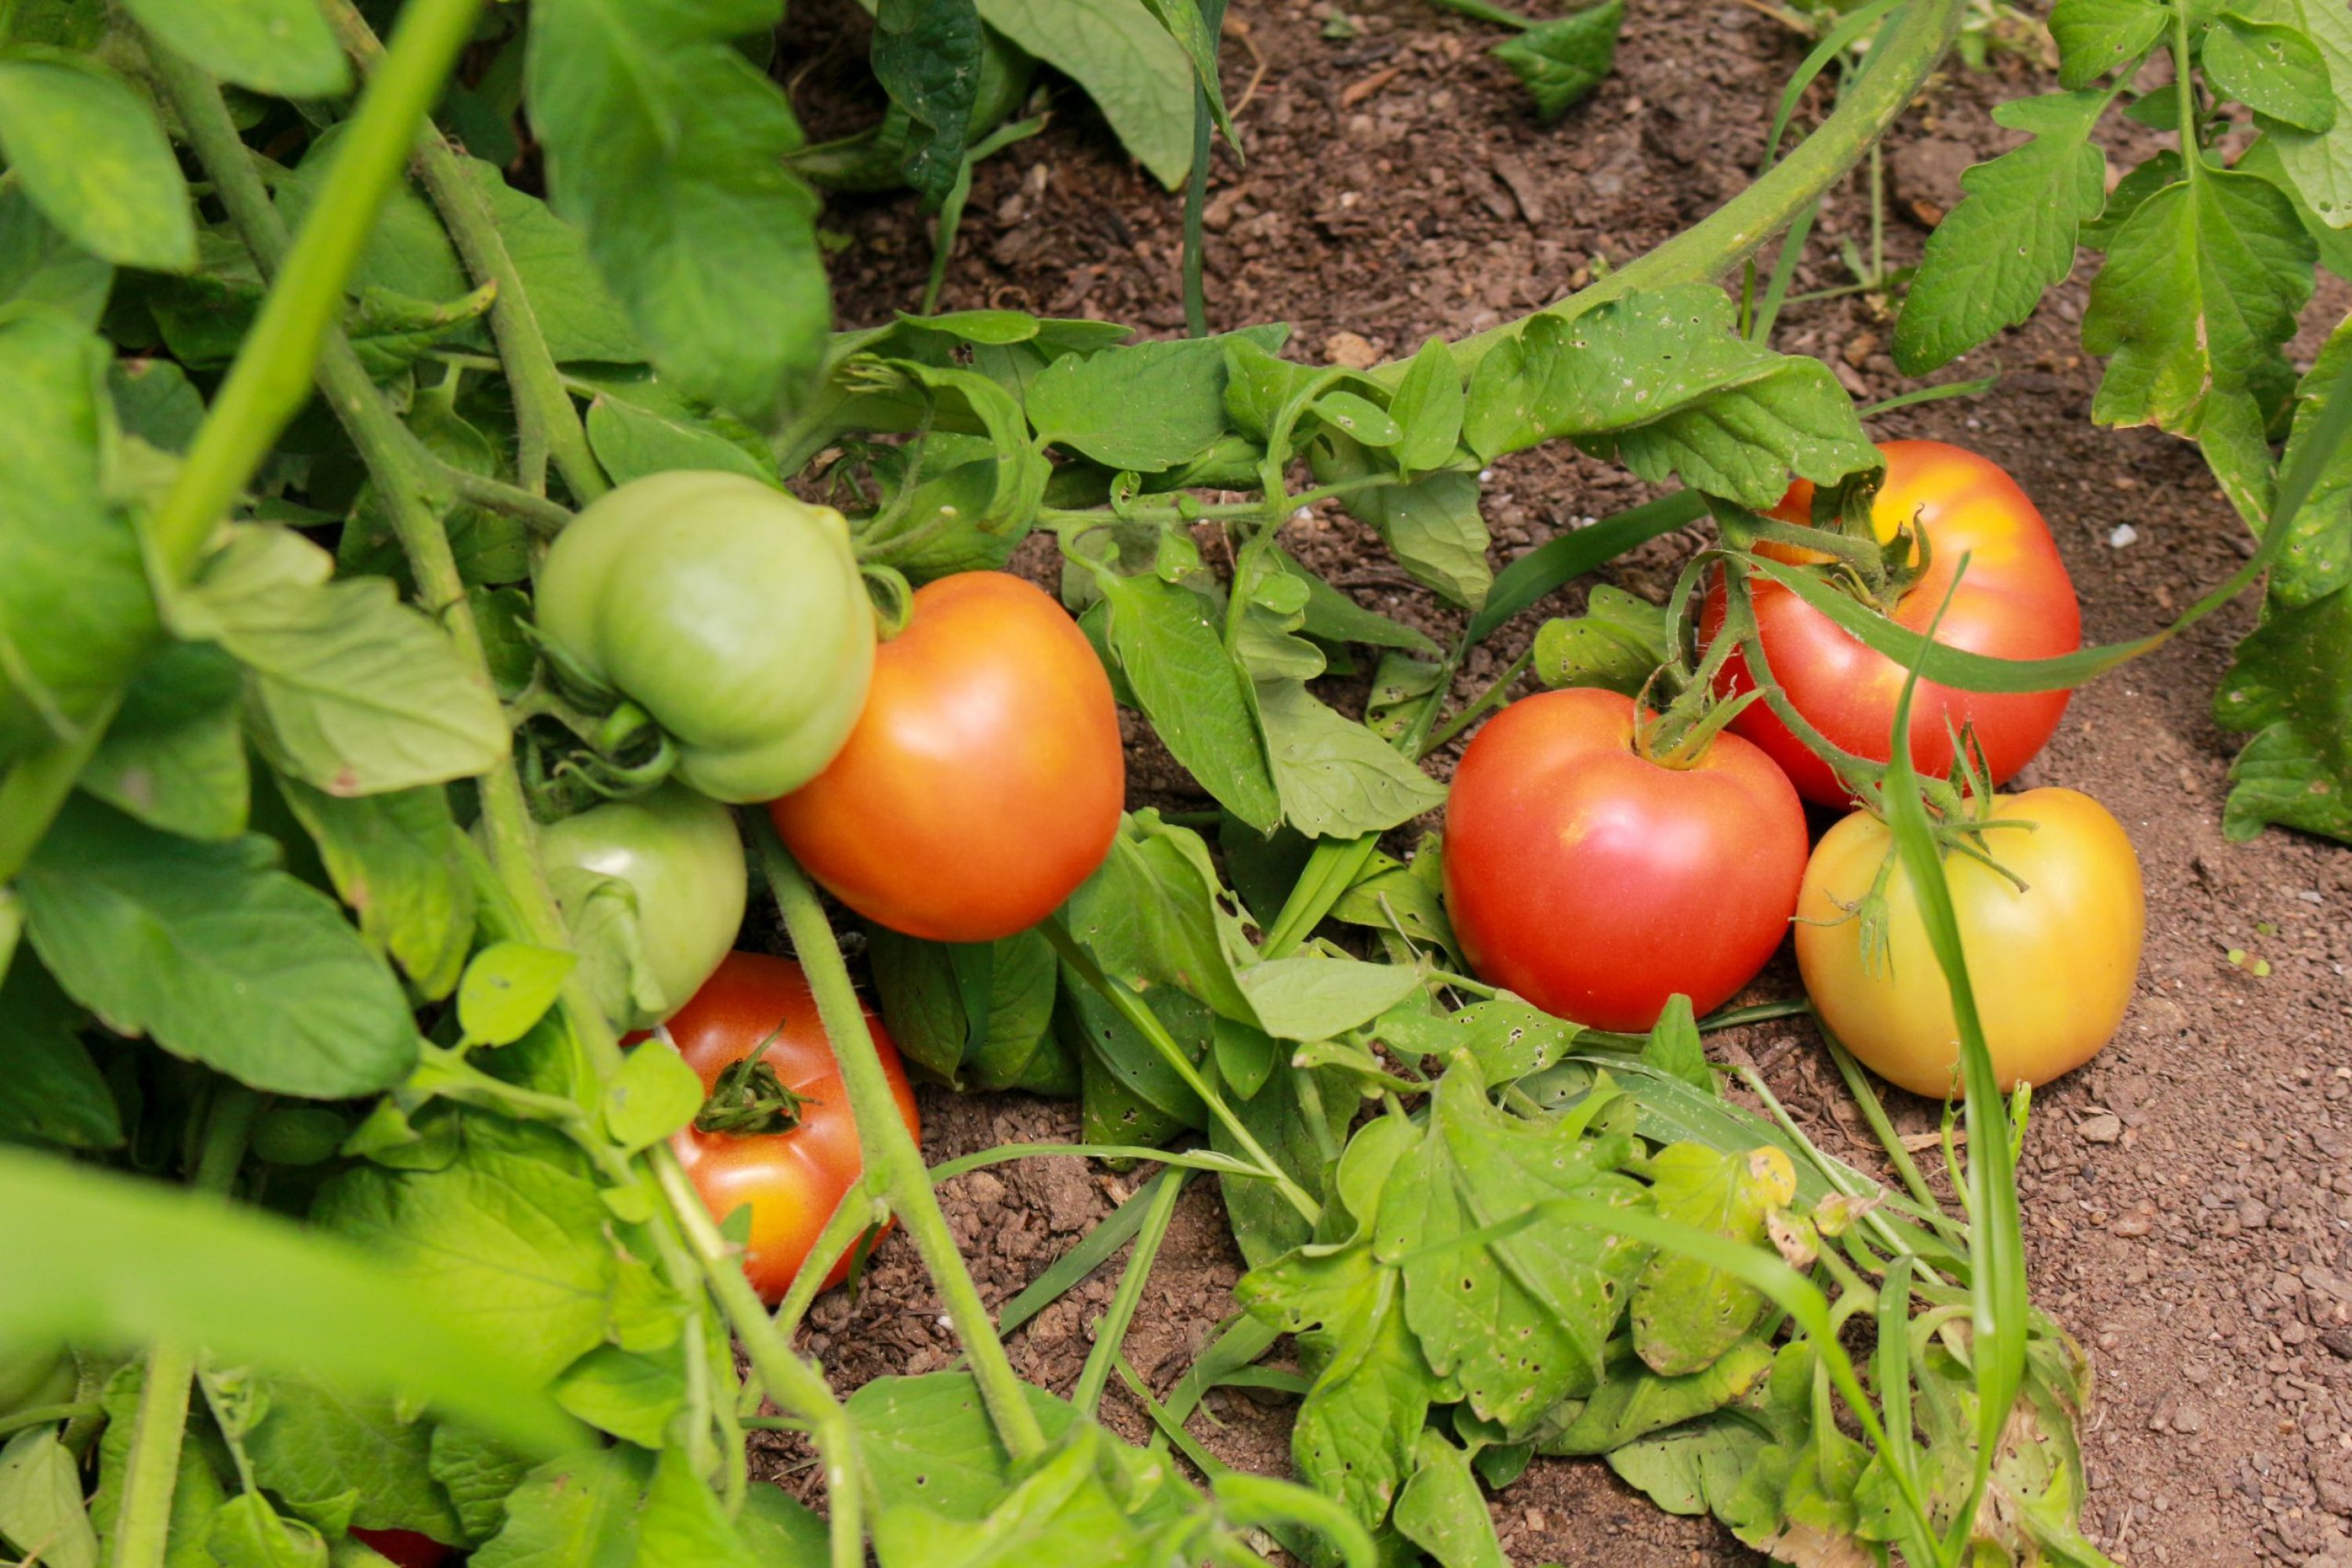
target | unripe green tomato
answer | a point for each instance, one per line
(680, 852)
(33, 1376)
(731, 611)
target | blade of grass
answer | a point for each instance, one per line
(1930, 394)
(1111, 1332)
(1559, 561)
(1094, 1250)
(1832, 44)
(1187, 1159)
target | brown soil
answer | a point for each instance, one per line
(2189, 1195)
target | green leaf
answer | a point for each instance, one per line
(1727, 417)
(392, 331)
(509, 1235)
(1317, 996)
(508, 987)
(1144, 408)
(578, 1512)
(630, 1395)
(75, 614)
(407, 252)
(1155, 914)
(1691, 1469)
(1194, 694)
(2262, 159)
(2203, 284)
(1126, 62)
(249, 1285)
(52, 1092)
(2321, 165)
(1442, 1510)
(569, 297)
(653, 1095)
(1428, 406)
(2317, 557)
(927, 56)
(354, 691)
(154, 401)
(1357, 418)
(1127, 1093)
(1402, 902)
(338, 1459)
(1520, 1322)
(1432, 524)
(2272, 68)
(396, 860)
(478, 1473)
(1059, 1510)
(1337, 779)
(2012, 235)
(2096, 37)
(632, 442)
(173, 756)
(1561, 61)
(664, 145)
(928, 1441)
(1560, 560)
(248, 1532)
(683, 1525)
(281, 48)
(1264, 1224)
(1187, 24)
(978, 1016)
(165, 936)
(1673, 1047)
(1618, 643)
(41, 1512)
(1686, 1314)
(1509, 1039)
(40, 265)
(1633, 1402)
(94, 160)
(2288, 684)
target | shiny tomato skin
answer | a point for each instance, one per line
(2053, 965)
(403, 1548)
(1596, 883)
(2015, 602)
(983, 781)
(793, 1181)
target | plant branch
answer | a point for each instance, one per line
(890, 1151)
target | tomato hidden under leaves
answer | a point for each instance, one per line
(403, 1548)
(2015, 601)
(984, 780)
(2052, 965)
(1597, 883)
(682, 859)
(759, 1005)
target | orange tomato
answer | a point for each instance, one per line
(984, 780)
(2014, 602)
(793, 1181)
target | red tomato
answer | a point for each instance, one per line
(403, 1548)
(791, 1180)
(1597, 883)
(984, 780)
(2016, 602)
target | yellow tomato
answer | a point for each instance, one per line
(2053, 965)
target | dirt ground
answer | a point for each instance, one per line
(2190, 1194)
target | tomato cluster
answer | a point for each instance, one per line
(1597, 882)
(955, 782)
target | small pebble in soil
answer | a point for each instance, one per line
(2102, 1128)
(2125, 533)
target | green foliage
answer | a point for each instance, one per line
(1562, 61)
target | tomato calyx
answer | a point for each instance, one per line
(750, 1101)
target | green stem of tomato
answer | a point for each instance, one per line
(1247, 510)
(143, 1527)
(1147, 1023)
(851, 1219)
(1906, 50)
(546, 423)
(890, 1151)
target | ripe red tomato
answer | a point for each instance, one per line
(403, 1548)
(984, 780)
(791, 1180)
(1597, 883)
(2016, 602)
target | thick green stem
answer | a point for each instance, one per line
(143, 1527)
(890, 1151)
(546, 423)
(1906, 50)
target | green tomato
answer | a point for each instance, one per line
(680, 855)
(31, 1377)
(731, 611)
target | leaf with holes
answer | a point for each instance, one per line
(1686, 1314)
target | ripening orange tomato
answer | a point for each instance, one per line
(2014, 602)
(984, 780)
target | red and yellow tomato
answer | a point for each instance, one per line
(984, 780)
(2015, 601)
(1597, 883)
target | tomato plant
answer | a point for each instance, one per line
(2054, 926)
(984, 782)
(2013, 600)
(731, 611)
(761, 1009)
(678, 855)
(1597, 881)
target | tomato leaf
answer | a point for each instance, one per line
(282, 48)
(2317, 558)
(570, 300)
(2203, 284)
(1127, 1093)
(1431, 524)
(40, 1501)
(1143, 407)
(1126, 62)
(1633, 1402)
(927, 56)
(52, 1092)
(1318, 994)
(2288, 685)
(928, 1439)
(2320, 166)
(977, 1016)
(1428, 407)
(335, 1459)
(165, 936)
(630, 442)
(2012, 235)
(1264, 1225)
(630, 1395)
(1561, 61)
(2096, 37)
(664, 145)
(1442, 1511)
(478, 1473)
(397, 861)
(1618, 643)
(1686, 1314)
(653, 1095)
(94, 160)
(2271, 68)
(1337, 779)
(579, 1508)
(40, 265)
(174, 754)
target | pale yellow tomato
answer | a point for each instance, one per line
(2052, 964)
